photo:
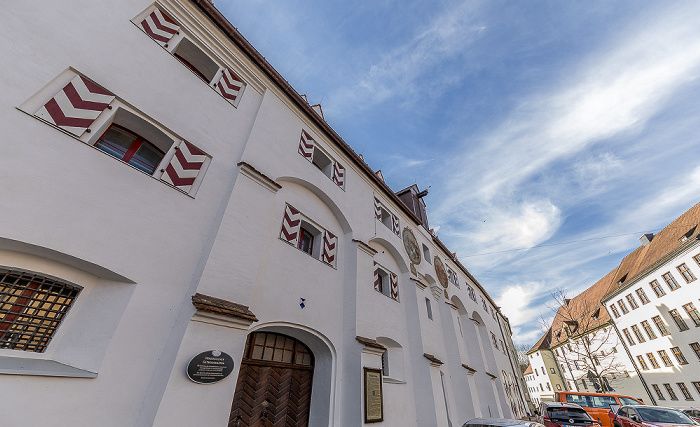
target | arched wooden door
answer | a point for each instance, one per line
(274, 383)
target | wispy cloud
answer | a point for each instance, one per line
(517, 303)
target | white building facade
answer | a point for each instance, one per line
(655, 310)
(169, 195)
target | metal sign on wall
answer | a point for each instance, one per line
(210, 367)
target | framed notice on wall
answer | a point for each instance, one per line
(374, 406)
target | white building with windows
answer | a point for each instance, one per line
(542, 377)
(168, 195)
(655, 309)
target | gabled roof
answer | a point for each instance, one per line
(542, 343)
(528, 370)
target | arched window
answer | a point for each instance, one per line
(271, 347)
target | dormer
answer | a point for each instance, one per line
(413, 199)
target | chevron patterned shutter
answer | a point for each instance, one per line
(377, 209)
(329, 247)
(184, 166)
(377, 283)
(76, 106)
(291, 224)
(306, 146)
(229, 86)
(339, 175)
(159, 26)
(395, 224)
(394, 286)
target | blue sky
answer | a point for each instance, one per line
(535, 123)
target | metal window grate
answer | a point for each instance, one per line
(31, 308)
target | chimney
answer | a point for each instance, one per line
(646, 238)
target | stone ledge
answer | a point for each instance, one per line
(223, 307)
(433, 359)
(369, 342)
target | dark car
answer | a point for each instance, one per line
(500, 422)
(647, 416)
(558, 414)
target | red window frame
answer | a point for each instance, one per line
(131, 151)
(191, 67)
(305, 233)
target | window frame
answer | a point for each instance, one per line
(136, 145)
(638, 333)
(678, 354)
(671, 393)
(648, 329)
(686, 272)
(642, 362)
(659, 394)
(692, 313)
(695, 346)
(665, 358)
(642, 296)
(622, 306)
(660, 325)
(678, 319)
(632, 302)
(670, 281)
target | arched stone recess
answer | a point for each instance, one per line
(393, 361)
(390, 249)
(464, 367)
(322, 196)
(324, 383)
(482, 352)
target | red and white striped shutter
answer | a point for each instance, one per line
(377, 209)
(76, 106)
(184, 166)
(329, 247)
(291, 224)
(395, 224)
(306, 146)
(377, 283)
(339, 174)
(229, 86)
(159, 26)
(394, 286)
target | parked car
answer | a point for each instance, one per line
(557, 414)
(597, 404)
(500, 422)
(693, 413)
(649, 416)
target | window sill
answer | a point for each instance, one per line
(26, 365)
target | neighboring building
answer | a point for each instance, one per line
(545, 378)
(167, 195)
(655, 308)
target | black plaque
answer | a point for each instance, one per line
(210, 367)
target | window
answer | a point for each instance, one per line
(658, 392)
(696, 384)
(642, 363)
(670, 391)
(697, 259)
(426, 254)
(642, 296)
(660, 325)
(322, 161)
(686, 273)
(483, 303)
(614, 310)
(631, 301)
(656, 286)
(692, 312)
(652, 360)
(31, 309)
(312, 151)
(637, 333)
(664, 358)
(552, 370)
(628, 336)
(300, 232)
(130, 148)
(494, 341)
(196, 60)
(306, 240)
(670, 281)
(682, 326)
(452, 277)
(386, 282)
(679, 356)
(685, 391)
(696, 349)
(549, 387)
(278, 348)
(429, 308)
(623, 307)
(385, 363)
(472, 294)
(648, 330)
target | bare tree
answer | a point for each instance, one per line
(523, 360)
(586, 339)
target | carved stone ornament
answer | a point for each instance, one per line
(413, 269)
(411, 245)
(440, 271)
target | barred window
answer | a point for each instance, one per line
(631, 301)
(670, 281)
(686, 273)
(679, 355)
(656, 286)
(31, 308)
(665, 358)
(693, 313)
(660, 325)
(670, 391)
(682, 326)
(642, 296)
(648, 330)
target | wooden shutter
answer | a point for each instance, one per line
(184, 166)
(291, 224)
(229, 86)
(159, 26)
(394, 286)
(395, 224)
(329, 247)
(377, 283)
(377, 209)
(339, 174)
(306, 146)
(75, 107)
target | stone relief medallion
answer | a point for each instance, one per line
(440, 271)
(411, 245)
(446, 295)
(413, 269)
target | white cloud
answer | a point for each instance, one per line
(516, 303)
